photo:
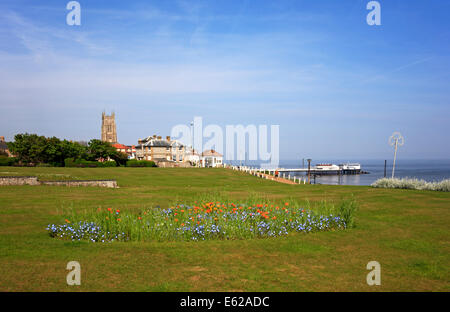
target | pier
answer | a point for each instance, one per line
(283, 175)
(313, 170)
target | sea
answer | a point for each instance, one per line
(431, 170)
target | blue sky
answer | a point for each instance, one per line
(337, 87)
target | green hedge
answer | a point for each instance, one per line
(81, 163)
(140, 163)
(7, 161)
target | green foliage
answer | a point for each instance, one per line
(7, 161)
(120, 158)
(98, 149)
(140, 163)
(347, 209)
(32, 149)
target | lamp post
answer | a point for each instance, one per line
(192, 137)
(309, 170)
(396, 140)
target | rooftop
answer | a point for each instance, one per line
(211, 153)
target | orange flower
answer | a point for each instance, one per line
(118, 220)
(175, 214)
(139, 218)
(182, 224)
(67, 221)
(274, 218)
(182, 210)
(198, 222)
(176, 220)
(109, 209)
(286, 204)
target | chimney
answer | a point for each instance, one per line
(2, 139)
(154, 136)
(168, 138)
(159, 137)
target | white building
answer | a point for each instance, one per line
(192, 156)
(211, 158)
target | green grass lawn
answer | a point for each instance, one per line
(406, 231)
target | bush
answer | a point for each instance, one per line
(81, 163)
(140, 163)
(7, 161)
(413, 184)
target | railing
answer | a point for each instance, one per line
(268, 174)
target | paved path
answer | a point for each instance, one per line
(278, 179)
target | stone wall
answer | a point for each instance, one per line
(100, 183)
(19, 181)
(35, 181)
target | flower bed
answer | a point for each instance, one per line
(209, 220)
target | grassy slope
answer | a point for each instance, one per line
(406, 231)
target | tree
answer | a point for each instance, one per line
(120, 158)
(28, 148)
(34, 149)
(98, 150)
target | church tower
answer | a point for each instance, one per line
(109, 133)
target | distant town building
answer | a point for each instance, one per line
(192, 157)
(159, 150)
(130, 150)
(4, 147)
(109, 131)
(211, 158)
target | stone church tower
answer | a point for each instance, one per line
(109, 132)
